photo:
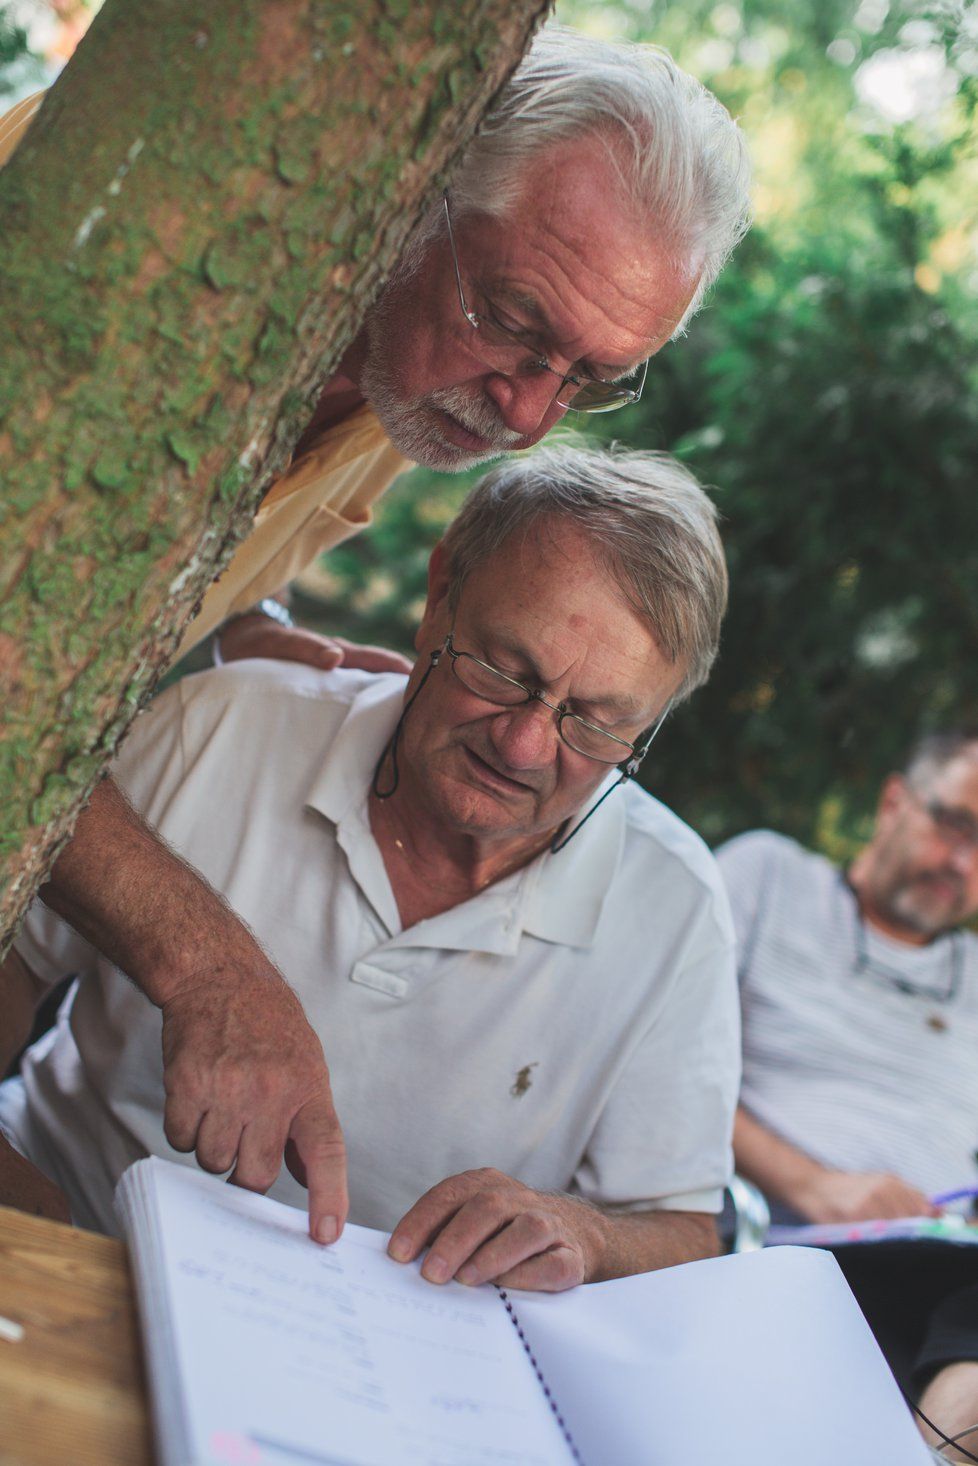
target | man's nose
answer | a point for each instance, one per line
(526, 737)
(526, 403)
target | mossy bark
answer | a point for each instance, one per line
(192, 230)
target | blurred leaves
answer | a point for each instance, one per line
(14, 52)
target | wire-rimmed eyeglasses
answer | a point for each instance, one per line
(507, 353)
(956, 828)
(498, 688)
(627, 757)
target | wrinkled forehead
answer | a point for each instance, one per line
(571, 244)
(553, 590)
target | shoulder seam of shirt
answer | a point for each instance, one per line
(228, 688)
(685, 860)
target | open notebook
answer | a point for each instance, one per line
(265, 1348)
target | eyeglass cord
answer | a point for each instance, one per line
(391, 746)
(560, 839)
(866, 963)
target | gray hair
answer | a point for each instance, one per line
(934, 751)
(680, 160)
(647, 517)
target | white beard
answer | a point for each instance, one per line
(413, 424)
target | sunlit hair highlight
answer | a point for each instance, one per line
(934, 751)
(679, 159)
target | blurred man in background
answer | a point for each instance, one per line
(859, 994)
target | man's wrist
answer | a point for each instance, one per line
(268, 607)
(597, 1236)
(804, 1189)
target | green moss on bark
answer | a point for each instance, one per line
(180, 205)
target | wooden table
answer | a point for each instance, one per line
(72, 1391)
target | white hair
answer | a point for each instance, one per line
(648, 519)
(679, 159)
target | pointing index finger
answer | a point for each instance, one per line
(318, 1140)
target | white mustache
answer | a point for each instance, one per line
(476, 415)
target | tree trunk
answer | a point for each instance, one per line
(192, 230)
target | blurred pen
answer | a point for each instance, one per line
(963, 1193)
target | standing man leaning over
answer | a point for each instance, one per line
(859, 993)
(582, 229)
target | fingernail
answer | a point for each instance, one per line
(327, 1230)
(436, 1270)
(467, 1274)
(399, 1249)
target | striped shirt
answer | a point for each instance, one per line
(864, 1070)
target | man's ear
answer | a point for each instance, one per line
(893, 796)
(436, 602)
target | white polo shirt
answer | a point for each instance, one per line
(574, 1025)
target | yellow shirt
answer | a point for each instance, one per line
(322, 498)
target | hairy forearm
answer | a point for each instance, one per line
(640, 1242)
(781, 1170)
(137, 902)
(244, 1073)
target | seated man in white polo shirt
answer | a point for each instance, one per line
(524, 990)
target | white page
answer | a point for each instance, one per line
(758, 1360)
(290, 1352)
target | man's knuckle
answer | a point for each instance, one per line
(539, 1227)
(214, 1162)
(256, 1175)
(480, 1176)
(494, 1199)
(325, 1148)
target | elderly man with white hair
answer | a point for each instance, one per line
(586, 220)
(519, 963)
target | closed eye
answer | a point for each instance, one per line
(528, 338)
(507, 323)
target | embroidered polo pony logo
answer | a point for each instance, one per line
(522, 1081)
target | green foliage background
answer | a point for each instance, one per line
(827, 394)
(21, 71)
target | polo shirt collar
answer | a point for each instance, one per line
(557, 898)
(343, 779)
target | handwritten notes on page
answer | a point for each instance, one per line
(265, 1348)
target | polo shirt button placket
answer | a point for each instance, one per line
(368, 975)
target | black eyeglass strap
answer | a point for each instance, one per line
(391, 746)
(560, 840)
(626, 771)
